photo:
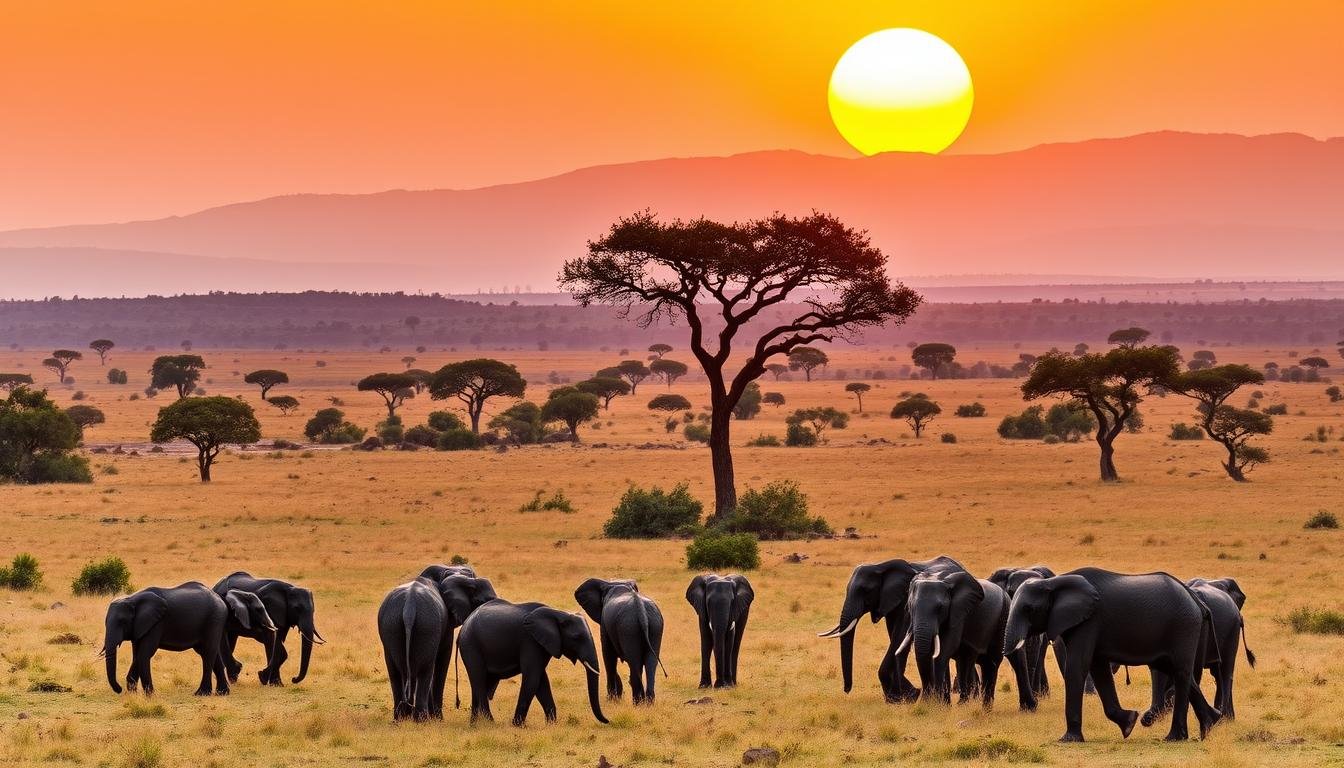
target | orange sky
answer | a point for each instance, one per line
(144, 108)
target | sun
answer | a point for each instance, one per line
(900, 90)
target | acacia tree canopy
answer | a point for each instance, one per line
(669, 402)
(675, 270)
(180, 372)
(12, 381)
(917, 411)
(266, 378)
(605, 388)
(392, 387)
(476, 381)
(1211, 388)
(209, 423)
(571, 406)
(102, 347)
(932, 356)
(1129, 337)
(807, 359)
(659, 350)
(285, 403)
(858, 389)
(60, 361)
(668, 370)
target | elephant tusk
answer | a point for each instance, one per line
(909, 638)
(591, 668)
(937, 646)
(312, 639)
(732, 627)
(847, 629)
(1019, 645)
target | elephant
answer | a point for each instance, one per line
(461, 594)
(1225, 600)
(955, 616)
(411, 623)
(188, 616)
(630, 628)
(290, 607)
(1009, 579)
(723, 604)
(502, 639)
(439, 572)
(1107, 618)
(880, 590)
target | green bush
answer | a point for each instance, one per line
(764, 441)
(698, 433)
(60, 468)
(22, 573)
(749, 404)
(445, 421)
(777, 511)
(108, 576)
(1028, 425)
(1278, 409)
(948, 437)
(654, 514)
(973, 410)
(1322, 520)
(715, 551)
(1183, 431)
(1315, 622)
(116, 376)
(1070, 422)
(458, 440)
(422, 435)
(557, 503)
(800, 436)
(391, 431)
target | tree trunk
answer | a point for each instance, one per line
(721, 457)
(1108, 473)
(1233, 471)
(475, 411)
(203, 462)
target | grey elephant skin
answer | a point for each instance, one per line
(290, 607)
(501, 640)
(1009, 579)
(181, 618)
(723, 605)
(630, 629)
(880, 590)
(1225, 600)
(1107, 618)
(957, 617)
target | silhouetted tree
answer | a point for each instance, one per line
(1210, 388)
(819, 419)
(1314, 362)
(570, 406)
(917, 411)
(669, 403)
(412, 322)
(60, 361)
(522, 423)
(209, 423)
(85, 416)
(806, 359)
(422, 379)
(285, 403)
(474, 382)
(186, 345)
(932, 356)
(408, 361)
(266, 378)
(606, 388)
(777, 369)
(858, 389)
(633, 371)
(102, 347)
(180, 372)
(1129, 337)
(116, 376)
(1108, 384)
(749, 404)
(659, 350)
(773, 398)
(668, 370)
(392, 387)
(734, 273)
(11, 381)
(1080, 349)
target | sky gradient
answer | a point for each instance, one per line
(145, 108)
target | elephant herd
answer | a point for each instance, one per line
(1092, 619)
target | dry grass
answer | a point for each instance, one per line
(351, 525)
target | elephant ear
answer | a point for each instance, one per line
(149, 611)
(1043, 571)
(967, 593)
(895, 588)
(482, 591)
(1000, 577)
(1072, 601)
(1233, 589)
(589, 597)
(695, 593)
(238, 608)
(543, 624)
(743, 594)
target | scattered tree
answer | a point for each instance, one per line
(669, 403)
(266, 378)
(933, 356)
(777, 369)
(36, 439)
(1233, 427)
(1211, 388)
(180, 372)
(807, 359)
(749, 404)
(329, 426)
(392, 387)
(102, 347)
(422, 378)
(412, 322)
(569, 405)
(285, 403)
(605, 388)
(408, 361)
(858, 389)
(1107, 384)
(633, 371)
(60, 361)
(1080, 349)
(819, 419)
(917, 411)
(1128, 337)
(12, 381)
(116, 376)
(659, 350)
(668, 370)
(970, 410)
(85, 416)
(1334, 394)
(209, 423)
(186, 345)
(773, 398)
(676, 269)
(1314, 362)
(474, 382)
(522, 423)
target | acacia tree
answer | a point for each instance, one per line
(1315, 363)
(422, 378)
(285, 403)
(394, 388)
(606, 388)
(85, 416)
(773, 398)
(858, 389)
(1129, 337)
(1211, 388)
(659, 350)
(633, 371)
(917, 411)
(571, 406)
(932, 356)
(670, 403)
(60, 361)
(475, 381)
(412, 322)
(34, 433)
(266, 378)
(209, 423)
(12, 381)
(668, 370)
(733, 274)
(180, 372)
(819, 419)
(102, 347)
(806, 359)
(1107, 384)
(777, 369)
(1234, 426)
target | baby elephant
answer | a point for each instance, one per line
(631, 630)
(723, 604)
(186, 617)
(502, 639)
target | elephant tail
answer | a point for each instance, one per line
(644, 627)
(1250, 655)
(408, 626)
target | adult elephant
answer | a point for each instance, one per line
(954, 616)
(1107, 618)
(461, 594)
(723, 604)
(1225, 600)
(1009, 579)
(290, 607)
(185, 617)
(630, 628)
(880, 590)
(439, 572)
(411, 622)
(502, 639)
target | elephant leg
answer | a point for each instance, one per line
(398, 683)
(207, 669)
(989, 677)
(221, 676)
(1040, 681)
(1076, 663)
(1161, 699)
(1026, 695)
(424, 691)
(1110, 700)
(736, 646)
(278, 655)
(650, 676)
(706, 646)
(614, 689)
(1225, 672)
(545, 698)
(482, 689)
(1206, 714)
(231, 663)
(441, 664)
(636, 662)
(526, 692)
(964, 688)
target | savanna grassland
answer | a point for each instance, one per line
(351, 525)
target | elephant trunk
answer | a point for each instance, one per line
(720, 622)
(847, 659)
(844, 630)
(928, 650)
(110, 645)
(1017, 633)
(309, 634)
(594, 700)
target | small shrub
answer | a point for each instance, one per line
(391, 431)
(78, 395)
(457, 560)
(698, 433)
(116, 376)
(108, 576)
(777, 511)
(715, 551)
(1322, 520)
(1278, 409)
(764, 441)
(653, 513)
(22, 573)
(1182, 431)
(458, 440)
(970, 411)
(948, 437)
(1028, 425)
(800, 436)
(1306, 620)
(443, 421)
(422, 435)
(557, 503)
(60, 468)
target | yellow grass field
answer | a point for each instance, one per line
(351, 525)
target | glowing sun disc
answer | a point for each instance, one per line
(900, 90)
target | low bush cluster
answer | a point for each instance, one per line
(558, 502)
(777, 511)
(1322, 520)
(712, 550)
(1182, 431)
(1313, 621)
(108, 576)
(970, 410)
(22, 573)
(654, 514)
